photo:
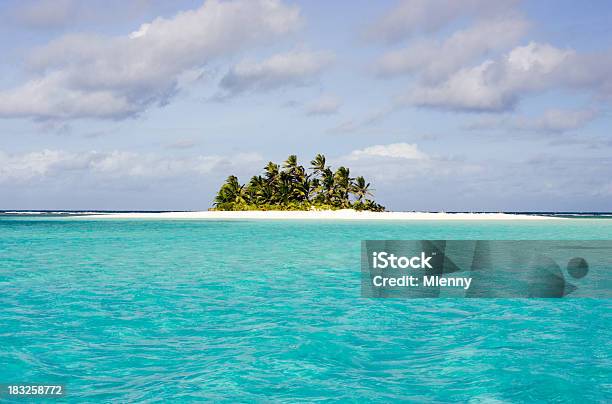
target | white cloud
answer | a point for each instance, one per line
(394, 150)
(114, 77)
(142, 31)
(324, 105)
(50, 97)
(115, 165)
(551, 121)
(559, 120)
(456, 183)
(398, 166)
(287, 69)
(426, 16)
(433, 59)
(27, 166)
(466, 69)
(497, 85)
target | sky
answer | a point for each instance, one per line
(447, 105)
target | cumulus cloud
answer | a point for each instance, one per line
(44, 164)
(392, 167)
(410, 17)
(483, 65)
(434, 59)
(84, 75)
(324, 105)
(497, 85)
(394, 150)
(454, 183)
(551, 121)
(295, 68)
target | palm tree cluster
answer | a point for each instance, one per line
(291, 187)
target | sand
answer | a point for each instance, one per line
(345, 214)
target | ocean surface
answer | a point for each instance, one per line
(146, 310)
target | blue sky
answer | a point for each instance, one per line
(442, 105)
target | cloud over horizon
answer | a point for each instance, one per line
(46, 164)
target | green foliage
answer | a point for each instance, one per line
(292, 188)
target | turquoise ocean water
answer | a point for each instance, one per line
(135, 310)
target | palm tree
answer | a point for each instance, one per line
(328, 185)
(343, 182)
(255, 189)
(318, 164)
(231, 192)
(315, 189)
(360, 188)
(284, 188)
(290, 165)
(293, 188)
(301, 190)
(271, 177)
(271, 172)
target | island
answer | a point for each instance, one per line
(292, 187)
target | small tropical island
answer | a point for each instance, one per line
(291, 187)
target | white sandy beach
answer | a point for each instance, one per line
(345, 214)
